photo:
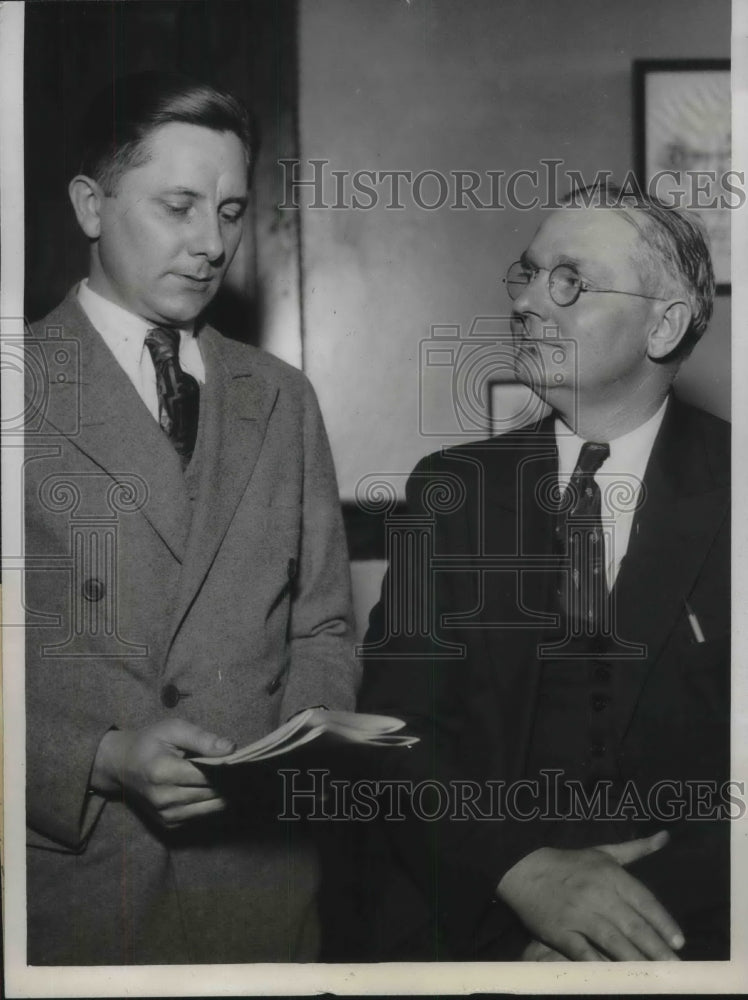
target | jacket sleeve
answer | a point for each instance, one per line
(322, 669)
(456, 860)
(63, 731)
(690, 876)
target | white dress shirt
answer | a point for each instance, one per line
(619, 478)
(124, 334)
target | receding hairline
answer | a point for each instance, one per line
(143, 145)
(140, 152)
(643, 224)
(644, 252)
(121, 119)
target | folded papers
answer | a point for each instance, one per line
(311, 724)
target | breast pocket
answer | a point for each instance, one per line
(705, 674)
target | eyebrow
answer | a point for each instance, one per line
(582, 267)
(594, 270)
(527, 260)
(184, 191)
(242, 200)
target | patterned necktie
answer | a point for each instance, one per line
(178, 392)
(582, 588)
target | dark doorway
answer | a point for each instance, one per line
(74, 49)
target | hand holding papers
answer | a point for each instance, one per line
(313, 724)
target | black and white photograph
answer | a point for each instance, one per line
(373, 609)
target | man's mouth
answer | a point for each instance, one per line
(521, 332)
(199, 279)
(531, 332)
(518, 325)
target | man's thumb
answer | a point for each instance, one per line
(200, 742)
(632, 850)
(220, 745)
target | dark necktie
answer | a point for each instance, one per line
(583, 588)
(178, 392)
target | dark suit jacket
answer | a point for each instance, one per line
(222, 598)
(473, 705)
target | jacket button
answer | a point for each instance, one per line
(93, 589)
(599, 702)
(598, 749)
(291, 568)
(602, 674)
(170, 695)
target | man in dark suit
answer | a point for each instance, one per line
(572, 686)
(186, 579)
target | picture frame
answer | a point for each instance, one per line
(682, 143)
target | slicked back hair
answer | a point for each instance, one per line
(115, 131)
(675, 251)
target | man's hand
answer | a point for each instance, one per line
(148, 767)
(536, 951)
(585, 906)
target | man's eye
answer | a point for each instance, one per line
(177, 209)
(231, 216)
(568, 278)
(523, 277)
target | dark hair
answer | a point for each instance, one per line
(115, 130)
(673, 241)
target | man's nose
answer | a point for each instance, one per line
(534, 295)
(207, 239)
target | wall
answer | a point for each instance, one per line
(445, 85)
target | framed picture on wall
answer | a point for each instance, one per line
(682, 136)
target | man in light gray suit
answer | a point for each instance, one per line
(187, 585)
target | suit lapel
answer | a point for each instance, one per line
(684, 505)
(235, 406)
(517, 522)
(115, 429)
(672, 532)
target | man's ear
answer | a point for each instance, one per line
(87, 197)
(670, 330)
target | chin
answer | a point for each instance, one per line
(180, 314)
(528, 372)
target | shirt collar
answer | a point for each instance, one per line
(629, 453)
(108, 317)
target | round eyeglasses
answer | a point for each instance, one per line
(565, 285)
